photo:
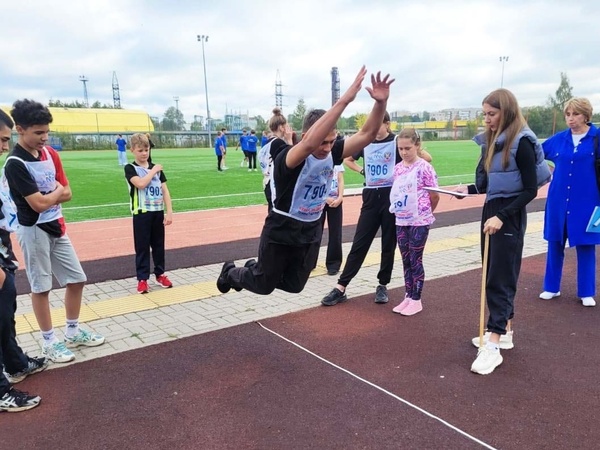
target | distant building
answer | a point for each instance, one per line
(455, 113)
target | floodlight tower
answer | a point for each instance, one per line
(116, 94)
(335, 85)
(204, 38)
(278, 91)
(503, 59)
(84, 80)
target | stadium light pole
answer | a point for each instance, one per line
(503, 59)
(176, 98)
(204, 38)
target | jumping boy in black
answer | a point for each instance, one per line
(291, 237)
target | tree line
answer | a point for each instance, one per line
(543, 120)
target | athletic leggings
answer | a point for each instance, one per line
(219, 159)
(411, 242)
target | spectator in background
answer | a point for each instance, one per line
(252, 140)
(333, 213)
(243, 142)
(572, 197)
(224, 148)
(265, 138)
(219, 151)
(121, 150)
(280, 138)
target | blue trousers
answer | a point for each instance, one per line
(586, 268)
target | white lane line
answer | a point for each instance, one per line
(406, 402)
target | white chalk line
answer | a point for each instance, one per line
(379, 388)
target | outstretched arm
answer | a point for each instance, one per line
(313, 138)
(380, 92)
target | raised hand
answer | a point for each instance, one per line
(355, 87)
(380, 90)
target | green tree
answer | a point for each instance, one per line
(261, 124)
(471, 129)
(342, 124)
(563, 94)
(359, 120)
(426, 116)
(172, 120)
(196, 125)
(297, 117)
(540, 119)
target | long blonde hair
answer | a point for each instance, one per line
(511, 123)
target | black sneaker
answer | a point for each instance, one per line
(250, 263)
(34, 365)
(333, 272)
(222, 285)
(334, 297)
(381, 294)
(15, 401)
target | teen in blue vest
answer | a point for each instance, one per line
(510, 169)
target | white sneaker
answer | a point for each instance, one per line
(588, 301)
(506, 340)
(487, 360)
(57, 352)
(549, 295)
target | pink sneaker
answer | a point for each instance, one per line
(413, 307)
(403, 304)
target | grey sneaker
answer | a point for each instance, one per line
(381, 295)
(15, 401)
(34, 365)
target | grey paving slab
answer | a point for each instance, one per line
(168, 323)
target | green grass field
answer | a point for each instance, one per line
(100, 190)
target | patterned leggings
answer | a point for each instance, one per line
(411, 242)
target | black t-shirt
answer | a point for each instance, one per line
(285, 230)
(22, 185)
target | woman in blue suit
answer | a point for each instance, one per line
(572, 196)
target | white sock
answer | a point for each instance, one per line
(49, 337)
(492, 346)
(72, 328)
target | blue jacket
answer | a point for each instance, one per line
(573, 192)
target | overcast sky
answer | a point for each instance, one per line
(442, 53)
